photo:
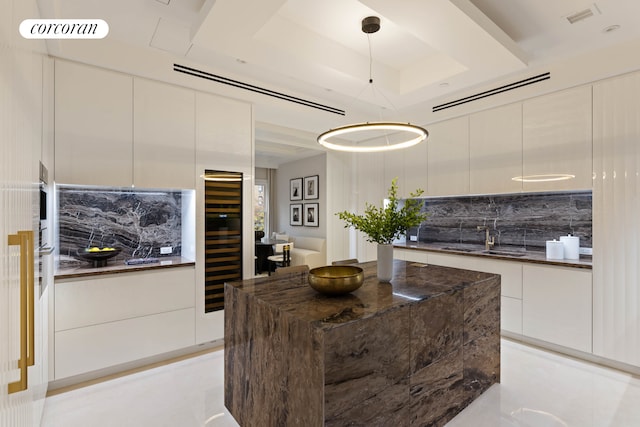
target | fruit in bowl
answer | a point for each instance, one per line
(98, 256)
(97, 249)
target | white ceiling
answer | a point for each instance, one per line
(315, 50)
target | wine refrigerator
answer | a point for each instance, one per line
(223, 234)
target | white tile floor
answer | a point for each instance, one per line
(538, 389)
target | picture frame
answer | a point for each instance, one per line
(311, 190)
(295, 214)
(311, 214)
(295, 189)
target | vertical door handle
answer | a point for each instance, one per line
(21, 239)
(31, 343)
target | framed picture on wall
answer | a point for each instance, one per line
(295, 214)
(311, 214)
(311, 187)
(295, 189)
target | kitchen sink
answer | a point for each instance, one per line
(451, 248)
(504, 253)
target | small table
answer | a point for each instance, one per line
(264, 248)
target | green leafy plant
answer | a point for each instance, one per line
(385, 224)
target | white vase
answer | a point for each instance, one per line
(385, 262)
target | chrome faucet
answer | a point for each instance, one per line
(489, 240)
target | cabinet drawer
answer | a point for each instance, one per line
(511, 314)
(83, 302)
(510, 272)
(410, 255)
(82, 350)
(557, 306)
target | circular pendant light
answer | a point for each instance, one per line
(372, 136)
(544, 178)
(402, 135)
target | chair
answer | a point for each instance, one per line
(294, 269)
(277, 260)
(284, 237)
(345, 262)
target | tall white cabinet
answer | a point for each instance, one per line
(23, 324)
(557, 139)
(93, 126)
(495, 148)
(163, 135)
(448, 157)
(616, 207)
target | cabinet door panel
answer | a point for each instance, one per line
(557, 139)
(93, 126)
(415, 168)
(510, 272)
(164, 135)
(448, 157)
(511, 314)
(82, 302)
(87, 349)
(495, 146)
(556, 306)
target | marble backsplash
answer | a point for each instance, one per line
(516, 220)
(138, 222)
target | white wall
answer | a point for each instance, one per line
(316, 165)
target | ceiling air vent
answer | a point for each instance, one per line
(495, 91)
(583, 14)
(257, 89)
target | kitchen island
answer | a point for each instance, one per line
(414, 351)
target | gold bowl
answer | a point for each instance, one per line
(336, 279)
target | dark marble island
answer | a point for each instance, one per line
(413, 352)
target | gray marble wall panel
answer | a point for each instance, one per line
(138, 222)
(521, 220)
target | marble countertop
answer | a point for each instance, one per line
(119, 267)
(504, 253)
(411, 284)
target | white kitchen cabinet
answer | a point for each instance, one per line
(495, 147)
(616, 222)
(510, 271)
(90, 348)
(510, 283)
(109, 320)
(163, 135)
(394, 168)
(448, 157)
(415, 168)
(93, 126)
(22, 84)
(557, 139)
(411, 255)
(556, 305)
(511, 314)
(90, 301)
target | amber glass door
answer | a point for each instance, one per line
(223, 235)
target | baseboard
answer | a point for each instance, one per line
(575, 354)
(94, 377)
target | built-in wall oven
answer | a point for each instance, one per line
(45, 248)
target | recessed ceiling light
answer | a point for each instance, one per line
(611, 28)
(444, 84)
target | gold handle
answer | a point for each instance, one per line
(31, 343)
(21, 239)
